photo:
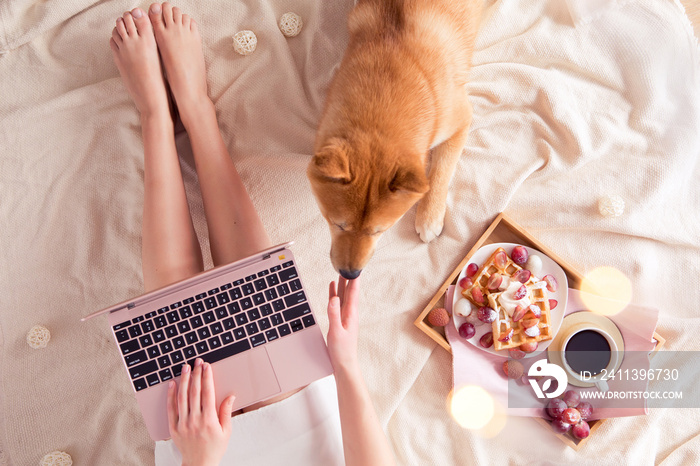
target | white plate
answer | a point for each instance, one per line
(549, 267)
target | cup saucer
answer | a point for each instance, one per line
(554, 352)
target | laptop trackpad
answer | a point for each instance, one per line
(248, 376)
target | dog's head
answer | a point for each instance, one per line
(362, 189)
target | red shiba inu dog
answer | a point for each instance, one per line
(398, 95)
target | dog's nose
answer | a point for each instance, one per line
(350, 274)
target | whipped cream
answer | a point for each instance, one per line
(508, 302)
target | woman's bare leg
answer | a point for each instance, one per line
(170, 250)
(235, 229)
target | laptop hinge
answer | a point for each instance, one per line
(215, 272)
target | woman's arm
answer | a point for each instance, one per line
(364, 441)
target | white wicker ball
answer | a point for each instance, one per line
(38, 337)
(57, 458)
(291, 24)
(244, 42)
(611, 206)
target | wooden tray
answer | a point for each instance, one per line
(505, 230)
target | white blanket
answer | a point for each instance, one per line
(562, 115)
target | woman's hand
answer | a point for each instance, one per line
(343, 323)
(198, 431)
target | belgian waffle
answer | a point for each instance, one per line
(537, 294)
(481, 278)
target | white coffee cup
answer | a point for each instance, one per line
(598, 379)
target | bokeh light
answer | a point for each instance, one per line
(472, 407)
(609, 283)
(495, 425)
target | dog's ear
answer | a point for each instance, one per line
(331, 162)
(409, 180)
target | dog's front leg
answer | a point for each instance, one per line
(430, 213)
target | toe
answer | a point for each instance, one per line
(121, 29)
(167, 13)
(177, 15)
(113, 45)
(186, 20)
(116, 37)
(155, 13)
(143, 25)
(129, 23)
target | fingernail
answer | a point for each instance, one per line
(136, 12)
(186, 368)
(198, 362)
(120, 19)
(206, 366)
(171, 385)
(155, 8)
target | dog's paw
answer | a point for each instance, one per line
(430, 217)
(429, 229)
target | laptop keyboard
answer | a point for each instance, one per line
(222, 322)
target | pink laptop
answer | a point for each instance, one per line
(251, 320)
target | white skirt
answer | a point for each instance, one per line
(303, 430)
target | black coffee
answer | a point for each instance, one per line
(588, 351)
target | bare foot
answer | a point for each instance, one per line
(180, 48)
(136, 55)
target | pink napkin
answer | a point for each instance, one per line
(472, 366)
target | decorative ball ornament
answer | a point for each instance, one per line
(291, 24)
(244, 42)
(57, 458)
(38, 337)
(611, 206)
